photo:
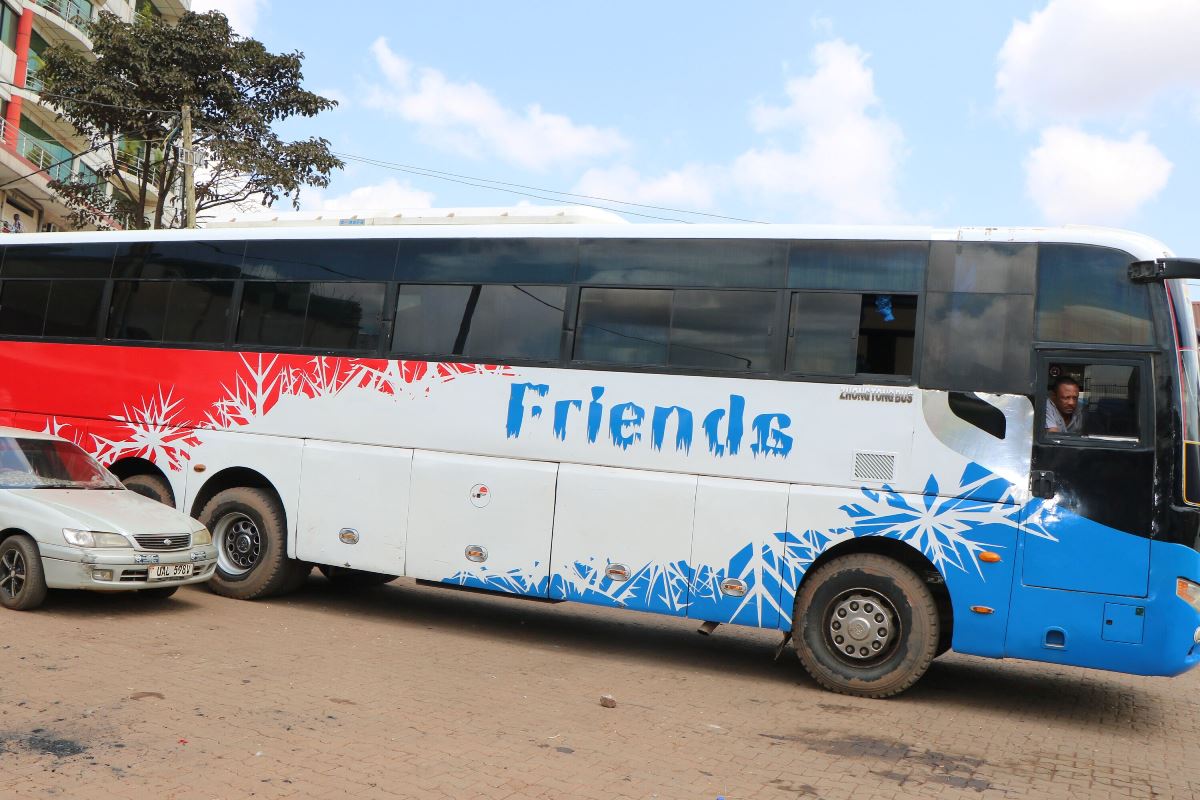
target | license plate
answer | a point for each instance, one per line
(164, 572)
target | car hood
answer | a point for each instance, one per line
(114, 510)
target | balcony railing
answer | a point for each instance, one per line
(72, 12)
(56, 163)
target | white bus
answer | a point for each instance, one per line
(839, 433)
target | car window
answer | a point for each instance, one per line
(50, 464)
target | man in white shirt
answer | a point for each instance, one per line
(1062, 407)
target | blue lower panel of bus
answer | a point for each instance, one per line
(1153, 635)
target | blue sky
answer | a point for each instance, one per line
(939, 113)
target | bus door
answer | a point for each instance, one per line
(483, 523)
(1088, 525)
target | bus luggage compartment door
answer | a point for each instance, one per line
(623, 538)
(481, 522)
(354, 506)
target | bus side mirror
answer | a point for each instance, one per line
(1164, 269)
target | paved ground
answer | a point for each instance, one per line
(407, 691)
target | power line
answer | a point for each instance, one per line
(452, 177)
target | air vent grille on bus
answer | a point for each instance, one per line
(874, 466)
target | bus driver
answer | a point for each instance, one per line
(1062, 407)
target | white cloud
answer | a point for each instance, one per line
(390, 196)
(692, 187)
(467, 119)
(243, 14)
(1080, 58)
(1074, 176)
(834, 152)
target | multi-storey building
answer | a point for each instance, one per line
(36, 146)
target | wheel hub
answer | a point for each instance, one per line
(862, 625)
(239, 544)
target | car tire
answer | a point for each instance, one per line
(159, 592)
(250, 534)
(346, 578)
(865, 625)
(22, 579)
(153, 486)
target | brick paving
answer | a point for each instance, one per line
(410, 691)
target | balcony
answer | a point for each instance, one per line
(41, 154)
(73, 13)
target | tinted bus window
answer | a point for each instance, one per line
(179, 312)
(180, 260)
(858, 266)
(328, 260)
(74, 308)
(497, 321)
(723, 330)
(682, 262)
(138, 310)
(58, 261)
(273, 314)
(623, 326)
(1085, 295)
(487, 260)
(978, 342)
(344, 316)
(23, 307)
(978, 334)
(844, 333)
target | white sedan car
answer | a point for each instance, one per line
(67, 523)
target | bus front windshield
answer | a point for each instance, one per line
(50, 464)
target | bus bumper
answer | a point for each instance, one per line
(1152, 635)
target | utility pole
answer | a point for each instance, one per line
(189, 165)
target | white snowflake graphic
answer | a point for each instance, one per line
(154, 434)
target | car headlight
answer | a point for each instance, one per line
(202, 536)
(95, 538)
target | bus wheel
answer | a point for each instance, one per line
(251, 538)
(346, 578)
(865, 625)
(22, 581)
(152, 486)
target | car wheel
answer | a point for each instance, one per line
(346, 578)
(22, 580)
(251, 538)
(153, 486)
(865, 625)
(159, 592)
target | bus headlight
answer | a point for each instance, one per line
(1188, 591)
(201, 537)
(98, 538)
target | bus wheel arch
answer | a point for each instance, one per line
(869, 616)
(144, 477)
(249, 526)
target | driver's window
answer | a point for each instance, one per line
(1092, 401)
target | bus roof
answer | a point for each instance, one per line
(1141, 247)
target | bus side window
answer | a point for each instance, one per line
(1096, 401)
(848, 333)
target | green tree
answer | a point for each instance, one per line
(125, 97)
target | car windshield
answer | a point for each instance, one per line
(50, 464)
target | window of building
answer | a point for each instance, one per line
(9, 19)
(849, 333)
(517, 322)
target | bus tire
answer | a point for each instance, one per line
(346, 578)
(249, 531)
(865, 625)
(153, 486)
(22, 579)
